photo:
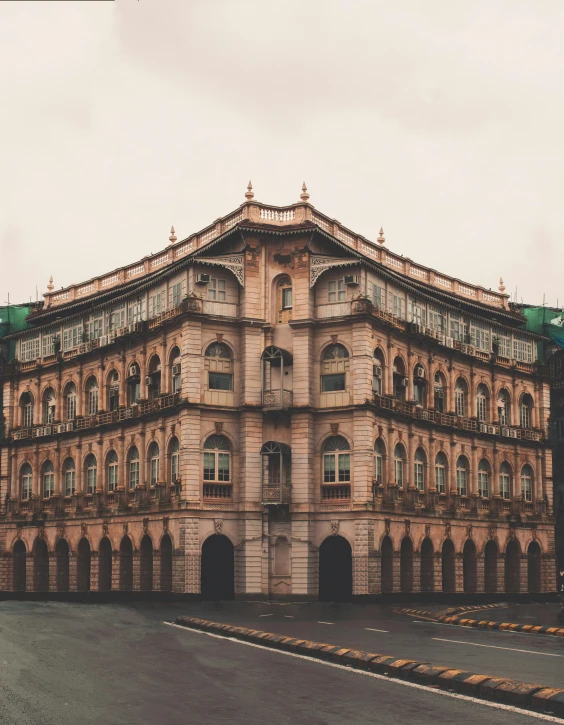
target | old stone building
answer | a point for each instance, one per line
(276, 406)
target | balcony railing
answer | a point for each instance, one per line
(276, 399)
(335, 492)
(218, 492)
(276, 494)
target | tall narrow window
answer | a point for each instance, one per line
(133, 458)
(462, 476)
(482, 403)
(113, 390)
(419, 469)
(69, 477)
(439, 393)
(27, 481)
(336, 291)
(284, 296)
(336, 460)
(334, 364)
(503, 407)
(440, 472)
(174, 460)
(154, 463)
(112, 471)
(525, 410)
(505, 480)
(91, 468)
(70, 401)
(399, 463)
(527, 482)
(216, 289)
(378, 461)
(48, 479)
(484, 479)
(175, 369)
(419, 385)
(26, 405)
(377, 372)
(220, 366)
(217, 459)
(154, 378)
(460, 397)
(91, 396)
(49, 406)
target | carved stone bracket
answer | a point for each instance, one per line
(334, 527)
(234, 263)
(318, 265)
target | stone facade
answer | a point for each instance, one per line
(276, 407)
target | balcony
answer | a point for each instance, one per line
(218, 492)
(335, 492)
(276, 399)
(276, 494)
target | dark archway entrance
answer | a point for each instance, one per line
(166, 564)
(469, 567)
(406, 565)
(104, 565)
(490, 567)
(19, 566)
(218, 568)
(335, 570)
(83, 566)
(40, 566)
(62, 565)
(427, 566)
(126, 565)
(448, 567)
(146, 564)
(512, 567)
(387, 563)
(534, 578)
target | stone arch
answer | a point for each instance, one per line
(105, 565)
(534, 572)
(62, 565)
(218, 568)
(427, 565)
(146, 563)
(83, 555)
(335, 570)
(491, 556)
(330, 343)
(166, 551)
(513, 567)
(19, 566)
(282, 556)
(125, 565)
(469, 567)
(448, 566)
(387, 565)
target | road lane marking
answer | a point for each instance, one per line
(288, 616)
(320, 622)
(371, 629)
(404, 683)
(266, 615)
(493, 646)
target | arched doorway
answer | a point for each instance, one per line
(146, 564)
(448, 567)
(534, 579)
(40, 566)
(19, 566)
(490, 567)
(126, 565)
(83, 566)
(62, 565)
(335, 570)
(104, 565)
(406, 565)
(513, 567)
(387, 563)
(166, 564)
(469, 567)
(218, 568)
(427, 566)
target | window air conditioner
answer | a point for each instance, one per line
(404, 382)
(350, 279)
(148, 380)
(492, 429)
(377, 371)
(176, 370)
(419, 371)
(104, 340)
(512, 433)
(449, 341)
(203, 279)
(133, 370)
(483, 428)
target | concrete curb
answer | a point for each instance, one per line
(512, 692)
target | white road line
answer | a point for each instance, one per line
(370, 629)
(266, 615)
(493, 646)
(320, 622)
(288, 616)
(404, 683)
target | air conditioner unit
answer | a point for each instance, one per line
(441, 339)
(425, 414)
(103, 340)
(512, 433)
(176, 370)
(404, 382)
(377, 371)
(350, 279)
(483, 428)
(148, 380)
(419, 371)
(449, 341)
(493, 429)
(48, 430)
(420, 329)
(203, 279)
(505, 432)
(133, 370)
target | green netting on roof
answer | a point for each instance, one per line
(545, 321)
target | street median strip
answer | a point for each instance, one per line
(502, 626)
(511, 692)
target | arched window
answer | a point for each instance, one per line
(419, 469)
(133, 383)
(48, 479)
(219, 365)
(284, 299)
(440, 472)
(217, 455)
(484, 479)
(377, 372)
(462, 476)
(336, 460)
(400, 379)
(49, 406)
(70, 401)
(482, 403)
(334, 366)
(419, 385)
(525, 411)
(399, 464)
(26, 405)
(69, 477)
(505, 480)
(112, 463)
(91, 396)
(153, 380)
(133, 475)
(175, 370)
(439, 393)
(527, 483)
(378, 461)
(26, 474)
(154, 463)
(460, 397)
(113, 390)
(174, 460)
(503, 407)
(91, 469)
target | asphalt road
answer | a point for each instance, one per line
(113, 665)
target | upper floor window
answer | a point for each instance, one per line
(522, 350)
(115, 318)
(217, 459)
(219, 366)
(440, 472)
(136, 310)
(482, 403)
(480, 336)
(154, 463)
(174, 460)
(437, 321)
(133, 383)
(525, 410)
(417, 312)
(400, 379)
(73, 335)
(460, 391)
(112, 471)
(48, 343)
(113, 390)
(336, 460)
(217, 289)
(334, 368)
(26, 475)
(379, 297)
(94, 326)
(503, 410)
(484, 479)
(501, 344)
(29, 349)
(377, 372)
(527, 482)
(49, 406)
(48, 479)
(457, 327)
(284, 297)
(176, 292)
(419, 385)
(153, 380)
(505, 480)
(70, 401)
(378, 461)
(157, 303)
(419, 469)
(396, 305)
(91, 396)
(175, 370)
(462, 476)
(69, 477)
(439, 393)
(133, 473)
(91, 470)
(399, 464)
(336, 291)
(26, 405)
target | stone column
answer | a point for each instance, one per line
(186, 563)
(480, 573)
(52, 572)
(72, 571)
(360, 556)
(94, 570)
(305, 556)
(417, 571)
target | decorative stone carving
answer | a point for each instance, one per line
(387, 524)
(104, 528)
(334, 527)
(19, 532)
(407, 524)
(427, 529)
(218, 526)
(334, 428)
(61, 530)
(447, 530)
(318, 265)
(125, 528)
(165, 524)
(469, 531)
(83, 528)
(218, 428)
(41, 532)
(492, 532)
(146, 525)
(234, 262)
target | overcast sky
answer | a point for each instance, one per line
(443, 122)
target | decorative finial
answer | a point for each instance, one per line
(50, 286)
(501, 287)
(249, 194)
(381, 238)
(172, 235)
(304, 196)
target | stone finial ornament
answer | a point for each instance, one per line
(50, 286)
(304, 196)
(381, 238)
(249, 194)
(172, 237)
(501, 287)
